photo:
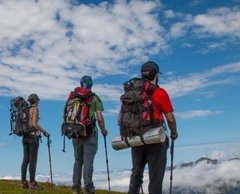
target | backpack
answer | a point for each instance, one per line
(19, 117)
(76, 120)
(136, 113)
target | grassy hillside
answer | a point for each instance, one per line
(13, 187)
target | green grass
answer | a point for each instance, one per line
(13, 187)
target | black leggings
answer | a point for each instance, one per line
(30, 153)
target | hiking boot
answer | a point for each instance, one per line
(77, 191)
(24, 185)
(89, 191)
(35, 186)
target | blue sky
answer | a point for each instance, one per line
(47, 46)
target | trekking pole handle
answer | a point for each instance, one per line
(172, 147)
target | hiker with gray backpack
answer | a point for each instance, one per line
(82, 109)
(24, 122)
(144, 106)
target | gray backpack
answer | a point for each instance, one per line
(136, 113)
(19, 116)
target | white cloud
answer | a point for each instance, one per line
(108, 92)
(224, 69)
(220, 22)
(216, 155)
(220, 151)
(169, 13)
(112, 111)
(217, 22)
(197, 113)
(206, 177)
(195, 3)
(51, 44)
(178, 29)
(47, 46)
(186, 45)
(216, 45)
(180, 86)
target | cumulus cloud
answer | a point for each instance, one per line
(206, 177)
(220, 22)
(169, 13)
(178, 29)
(180, 86)
(109, 92)
(217, 22)
(197, 113)
(48, 45)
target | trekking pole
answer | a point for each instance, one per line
(171, 170)
(63, 150)
(50, 161)
(105, 145)
(141, 189)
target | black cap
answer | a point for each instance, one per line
(33, 97)
(149, 70)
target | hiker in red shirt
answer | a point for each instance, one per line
(155, 155)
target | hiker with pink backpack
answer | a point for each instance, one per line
(82, 110)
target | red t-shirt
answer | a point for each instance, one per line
(161, 103)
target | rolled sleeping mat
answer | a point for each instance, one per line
(118, 143)
(152, 136)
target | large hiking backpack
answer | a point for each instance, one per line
(19, 116)
(76, 120)
(136, 113)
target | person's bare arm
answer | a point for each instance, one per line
(172, 124)
(101, 123)
(35, 124)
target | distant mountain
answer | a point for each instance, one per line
(202, 159)
(207, 176)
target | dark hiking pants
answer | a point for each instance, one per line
(30, 152)
(155, 155)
